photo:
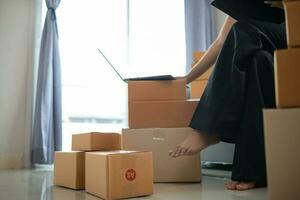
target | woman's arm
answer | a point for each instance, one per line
(212, 53)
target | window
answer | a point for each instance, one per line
(157, 37)
(140, 37)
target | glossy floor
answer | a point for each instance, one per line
(37, 185)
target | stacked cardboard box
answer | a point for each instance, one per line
(198, 86)
(97, 165)
(119, 174)
(95, 141)
(160, 104)
(287, 71)
(292, 8)
(159, 114)
(282, 141)
(287, 61)
(282, 129)
(162, 114)
(69, 169)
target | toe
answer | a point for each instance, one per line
(184, 151)
(245, 186)
(178, 153)
(189, 151)
(231, 185)
(192, 151)
(173, 152)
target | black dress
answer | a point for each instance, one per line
(242, 83)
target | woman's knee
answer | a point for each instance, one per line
(241, 26)
(243, 31)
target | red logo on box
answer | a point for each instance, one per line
(130, 174)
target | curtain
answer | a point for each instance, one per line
(199, 26)
(47, 127)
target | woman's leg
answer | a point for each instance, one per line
(249, 159)
(221, 110)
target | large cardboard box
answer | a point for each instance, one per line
(156, 90)
(282, 141)
(119, 174)
(292, 15)
(287, 77)
(197, 55)
(161, 114)
(95, 141)
(197, 88)
(160, 141)
(69, 169)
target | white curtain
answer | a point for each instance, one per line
(47, 127)
(200, 27)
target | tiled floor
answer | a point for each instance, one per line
(37, 185)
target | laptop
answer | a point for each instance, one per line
(147, 78)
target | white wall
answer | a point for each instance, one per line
(17, 19)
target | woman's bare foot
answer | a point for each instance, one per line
(231, 185)
(193, 144)
(240, 186)
(245, 186)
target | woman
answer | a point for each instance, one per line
(241, 85)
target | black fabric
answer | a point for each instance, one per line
(241, 84)
(249, 159)
(250, 9)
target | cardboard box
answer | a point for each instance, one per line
(205, 76)
(95, 141)
(119, 174)
(197, 55)
(69, 169)
(156, 90)
(197, 88)
(292, 16)
(287, 77)
(160, 114)
(282, 141)
(160, 141)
